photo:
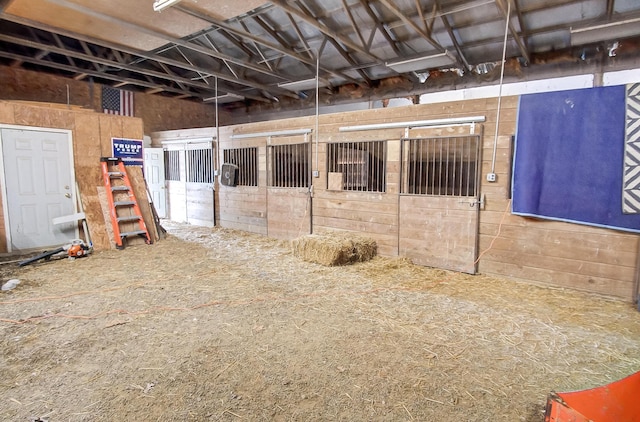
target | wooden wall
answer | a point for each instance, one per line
(156, 111)
(91, 133)
(535, 251)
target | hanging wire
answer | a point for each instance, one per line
(504, 55)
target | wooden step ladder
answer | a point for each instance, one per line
(123, 206)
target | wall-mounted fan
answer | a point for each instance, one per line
(229, 174)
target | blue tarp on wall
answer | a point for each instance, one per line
(568, 162)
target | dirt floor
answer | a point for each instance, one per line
(214, 324)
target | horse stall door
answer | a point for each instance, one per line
(199, 184)
(439, 202)
(288, 196)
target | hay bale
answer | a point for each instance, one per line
(335, 248)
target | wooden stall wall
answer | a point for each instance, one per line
(91, 133)
(193, 203)
(535, 251)
(374, 214)
(244, 207)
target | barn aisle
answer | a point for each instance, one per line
(216, 324)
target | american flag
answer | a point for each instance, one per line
(117, 101)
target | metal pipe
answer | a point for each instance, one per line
(317, 106)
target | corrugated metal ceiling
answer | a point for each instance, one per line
(255, 49)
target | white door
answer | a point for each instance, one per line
(154, 175)
(40, 186)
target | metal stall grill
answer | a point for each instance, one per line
(172, 165)
(247, 161)
(200, 166)
(289, 166)
(442, 166)
(361, 164)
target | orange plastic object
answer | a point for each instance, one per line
(615, 402)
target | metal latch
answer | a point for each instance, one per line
(475, 201)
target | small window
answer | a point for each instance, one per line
(359, 166)
(247, 161)
(289, 166)
(172, 165)
(441, 166)
(200, 166)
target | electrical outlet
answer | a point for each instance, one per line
(491, 177)
(316, 173)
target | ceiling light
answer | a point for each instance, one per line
(159, 5)
(422, 76)
(605, 32)
(422, 63)
(226, 98)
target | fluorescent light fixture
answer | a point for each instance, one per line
(159, 5)
(422, 63)
(298, 86)
(292, 132)
(415, 124)
(226, 98)
(605, 32)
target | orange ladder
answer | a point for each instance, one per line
(121, 197)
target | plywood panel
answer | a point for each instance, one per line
(86, 140)
(139, 189)
(42, 117)
(99, 219)
(6, 113)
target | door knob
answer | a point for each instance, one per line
(68, 195)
